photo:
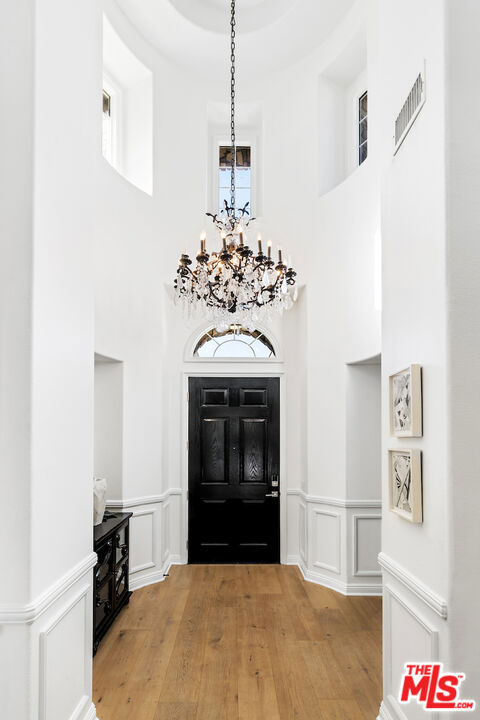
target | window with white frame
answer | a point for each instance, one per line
(236, 342)
(107, 127)
(362, 127)
(243, 175)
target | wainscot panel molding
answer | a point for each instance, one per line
(334, 502)
(335, 583)
(166, 531)
(327, 540)
(416, 586)
(58, 633)
(148, 520)
(337, 542)
(302, 531)
(15, 614)
(409, 634)
(358, 571)
(154, 536)
(54, 641)
(156, 576)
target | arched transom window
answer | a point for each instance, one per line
(236, 342)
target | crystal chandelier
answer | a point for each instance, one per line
(234, 284)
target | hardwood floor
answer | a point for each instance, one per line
(240, 642)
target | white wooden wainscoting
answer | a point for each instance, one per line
(49, 643)
(155, 535)
(414, 630)
(335, 542)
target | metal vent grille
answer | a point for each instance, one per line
(411, 107)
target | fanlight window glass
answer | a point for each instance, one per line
(236, 342)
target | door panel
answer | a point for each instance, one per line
(234, 455)
(214, 450)
(253, 450)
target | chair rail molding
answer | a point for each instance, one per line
(144, 500)
(334, 502)
(416, 586)
(28, 613)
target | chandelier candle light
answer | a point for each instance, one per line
(234, 285)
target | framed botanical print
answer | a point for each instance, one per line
(406, 402)
(405, 478)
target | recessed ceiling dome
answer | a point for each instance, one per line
(271, 34)
(214, 15)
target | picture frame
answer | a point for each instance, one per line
(406, 402)
(405, 484)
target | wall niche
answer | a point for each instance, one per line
(129, 127)
(340, 86)
(108, 423)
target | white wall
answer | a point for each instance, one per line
(47, 358)
(414, 330)
(463, 279)
(16, 139)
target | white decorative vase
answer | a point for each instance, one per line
(99, 499)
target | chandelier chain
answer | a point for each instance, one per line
(232, 105)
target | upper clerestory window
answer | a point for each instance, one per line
(362, 127)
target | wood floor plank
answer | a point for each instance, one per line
(176, 711)
(341, 710)
(218, 693)
(240, 642)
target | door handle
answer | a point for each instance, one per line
(275, 493)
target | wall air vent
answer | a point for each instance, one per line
(411, 107)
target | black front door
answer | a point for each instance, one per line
(233, 469)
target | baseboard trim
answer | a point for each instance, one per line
(156, 576)
(416, 586)
(145, 500)
(90, 714)
(334, 502)
(25, 614)
(348, 589)
(384, 713)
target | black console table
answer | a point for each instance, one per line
(110, 575)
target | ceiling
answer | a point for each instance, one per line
(271, 34)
